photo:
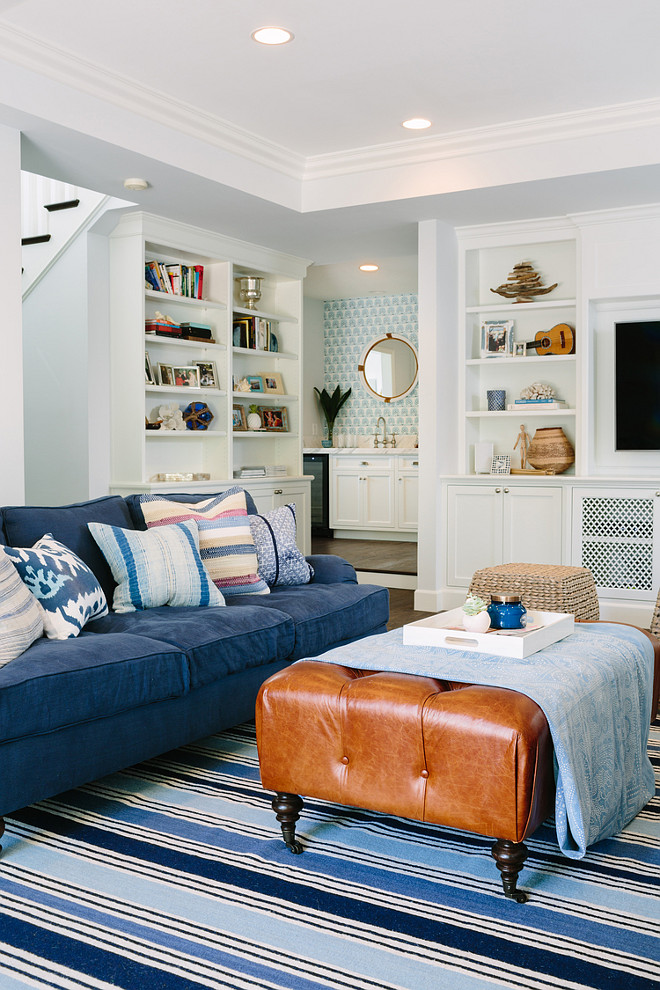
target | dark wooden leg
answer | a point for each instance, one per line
(509, 857)
(287, 807)
(2, 828)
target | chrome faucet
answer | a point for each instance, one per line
(384, 442)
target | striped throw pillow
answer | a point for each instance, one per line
(20, 615)
(161, 567)
(226, 544)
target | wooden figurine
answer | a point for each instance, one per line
(524, 441)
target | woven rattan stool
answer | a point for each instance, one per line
(655, 621)
(548, 587)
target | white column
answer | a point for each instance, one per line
(438, 395)
(12, 484)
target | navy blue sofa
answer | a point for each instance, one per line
(134, 685)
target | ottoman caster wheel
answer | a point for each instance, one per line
(287, 808)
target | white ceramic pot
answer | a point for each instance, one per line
(478, 623)
(254, 421)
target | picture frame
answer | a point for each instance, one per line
(149, 376)
(274, 418)
(520, 348)
(500, 464)
(238, 418)
(497, 338)
(255, 382)
(208, 374)
(186, 376)
(273, 383)
(165, 375)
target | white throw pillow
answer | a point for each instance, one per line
(20, 615)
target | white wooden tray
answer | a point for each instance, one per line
(446, 630)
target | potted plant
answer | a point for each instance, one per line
(475, 615)
(331, 403)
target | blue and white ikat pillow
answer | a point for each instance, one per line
(280, 560)
(63, 584)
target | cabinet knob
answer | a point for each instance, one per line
(657, 493)
(364, 463)
(498, 490)
(506, 491)
(277, 491)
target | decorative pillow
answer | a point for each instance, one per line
(225, 541)
(20, 616)
(280, 560)
(66, 589)
(161, 567)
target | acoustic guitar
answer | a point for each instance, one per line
(560, 339)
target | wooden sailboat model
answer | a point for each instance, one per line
(523, 283)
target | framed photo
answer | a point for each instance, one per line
(165, 375)
(274, 418)
(186, 376)
(500, 464)
(273, 383)
(238, 418)
(520, 348)
(497, 338)
(208, 376)
(148, 370)
(255, 382)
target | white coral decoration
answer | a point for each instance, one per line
(172, 417)
(537, 390)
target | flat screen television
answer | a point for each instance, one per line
(637, 385)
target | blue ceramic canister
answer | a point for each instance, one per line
(507, 612)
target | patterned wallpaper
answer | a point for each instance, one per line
(349, 325)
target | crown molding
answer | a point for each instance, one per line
(70, 70)
(624, 214)
(484, 140)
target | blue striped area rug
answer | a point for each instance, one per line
(173, 875)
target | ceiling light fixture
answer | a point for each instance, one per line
(416, 123)
(272, 36)
(136, 184)
(368, 268)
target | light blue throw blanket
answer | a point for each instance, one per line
(594, 688)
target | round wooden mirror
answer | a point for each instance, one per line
(389, 367)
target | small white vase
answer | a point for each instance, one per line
(254, 421)
(478, 623)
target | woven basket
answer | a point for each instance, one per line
(655, 621)
(548, 587)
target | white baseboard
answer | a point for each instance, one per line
(406, 581)
(631, 612)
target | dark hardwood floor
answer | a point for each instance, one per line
(401, 608)
(393, 556)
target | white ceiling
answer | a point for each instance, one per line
(535, 110)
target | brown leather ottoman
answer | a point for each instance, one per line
(460, 755)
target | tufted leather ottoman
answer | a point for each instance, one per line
(460, 755)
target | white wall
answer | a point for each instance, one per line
(438, 395)
(313, 371)
(56, 383)
(12, 488)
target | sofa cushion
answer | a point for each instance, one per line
(159, 567)
(326, 615)
(217, 642)
(68, 592)
(25, 524)
(21, 620)
(57, 683)
(192, 498)
(225, 540)
(280, 560)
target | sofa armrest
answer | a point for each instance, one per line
(329, 569)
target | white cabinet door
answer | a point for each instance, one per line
(474, 530)
(407, 498)
(345, 499)
(377, 497)
(532, 525)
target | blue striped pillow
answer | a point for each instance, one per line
(159, 567)
(20, 614)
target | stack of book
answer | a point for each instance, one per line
(254, 332)
(276, 471)
(250, 472)
(162, 329)
(178, 280)
(197, 331)
(522, 404)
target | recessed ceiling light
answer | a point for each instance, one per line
(368, 268)
(136, 184)
(416, 123)
(271, 36)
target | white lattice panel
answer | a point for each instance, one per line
(617, 518)
(619, 565)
